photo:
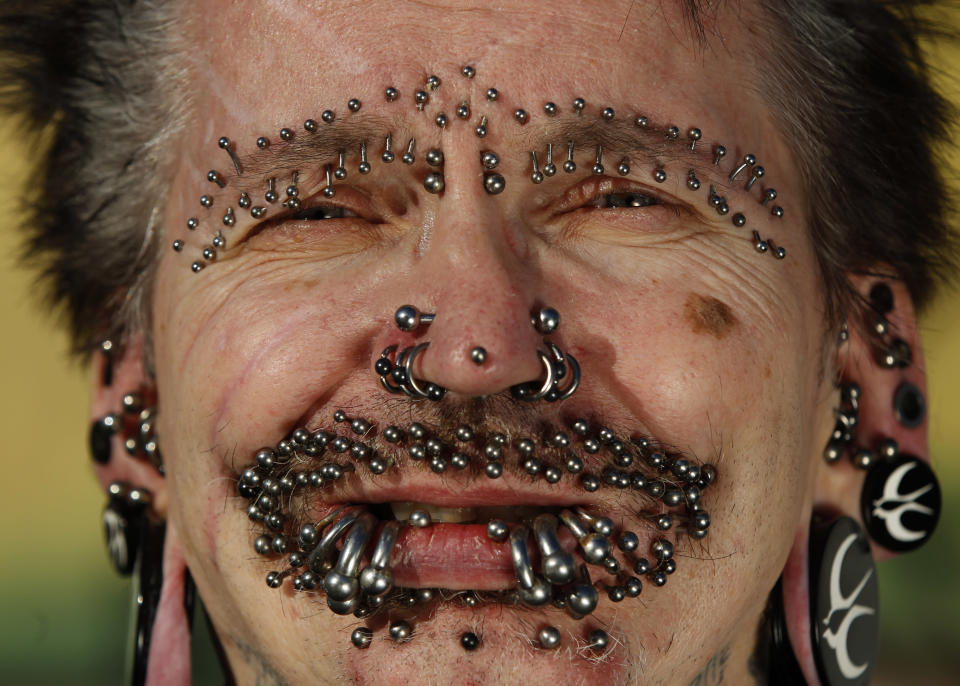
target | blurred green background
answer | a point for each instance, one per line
(63, 611)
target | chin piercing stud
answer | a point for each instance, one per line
(693, 135)
(286, 134)
(408, 157)
(536, 176)
(469, 641)
(481, 129)
(364, 167)
(225, 145)
(391, 94)
(520, 115)
(263, 142)
(492, 94)
(748, 161)
(434, 157)
(549, 637)
(673, 133)
(494, 183)
(607, 114)
(400, 631)
(659, 175)
(463, 110)
(468, 71)
(719, 153)
(361, 637)
(578, 105)
(550, 109)
(421, 98)
(598, 640)
(388, 155)
(489, 160)
(598, 165)
(441, 120)
(478, 355)
(433, 182)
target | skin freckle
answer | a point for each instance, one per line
(708, 315)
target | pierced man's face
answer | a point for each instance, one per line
(685, 333)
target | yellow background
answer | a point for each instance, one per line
(63, 611)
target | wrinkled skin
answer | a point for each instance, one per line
(680, 326)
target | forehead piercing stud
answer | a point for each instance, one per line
(598, 165)
(225, 144)
(693, 183)
(468, 71)
(433, 83)
(768, 195)
(748, 161)
(286, 134)
(659, 175)
(481, 129)
(271, 194)
(492, 94)
(463, 110)
(758, 173)
(719, 153)
(388, 155)
(329, 191)
(341, 171)
(364, 167)
(408, 157)
(489, 160)
(434, 157)
(739, 219)
(570, 166)
(391, 93)
(624, 167)
(214, 177)
(353, 105)
(433, 182)
(263, 142)
(206, 201)
(607, 114)
(441, 120)
(478, 355)
(694, 135)
(641, 122)
(328, 116)
(536, 176)
(494, 183)
(178, 245)
(192, 223)
(520, 115)
(310, 125)
(578, 105)
(421, 98)
(673, 133)
(549, 169)
(760, 245)
(550, 109)
(228, 218)
(243, 201)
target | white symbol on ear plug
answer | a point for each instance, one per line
(906, 502)
(838, 602)
(116, 540)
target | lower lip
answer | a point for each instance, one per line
(453, 556)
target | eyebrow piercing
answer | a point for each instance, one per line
(292, 191)
(434, 157)
(353, 105)
(550, 109)
(310, 125)
(228, 218)
(364, 167)
(607, 113)
(748, 161)
(673, 133)
(329, 191)
(328, 116)
(598, 166)
(408, 157)
(224, 144)
(579, 104)
(492, 94)
(718, 154)
(388, 155)
(214, 177)
(624, 167)
(739, 219)
(659, 175)
(489, 160)
(341, 171)
(694, 135)
(433, 182)
(520, 115)
(463, 111)
(468, 71)
(206, 201)
(693, 183)
(263, 142)
(549, 169)
(286, 134)
(421, 98)
(391, 93)
(271, 194)
(570, 166)
(537, 175)
(758, 173)
(433, 83)
(481, 129)
(192, 223)
(768, 195)
(641, 121)
(494, 183)
(441, 120)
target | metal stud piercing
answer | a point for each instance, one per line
(353, 105)
(739, 219)
(433, 83)
(441, 120)
(224, 144)
(228, 217)
(101, 432)
(469, 641)
(364, 166)
(494, 183)
(408, 157)
(748, 161)
(463, 110)
(760, 244)
(478, 355)
(214, 177)
(624, 167)
(421, 98)
(263, 142)
(768, 195)
(598, 165)
(673, 133)
(258, 212)
(468, 71)
(434, 183)
(536, 176)
(271, 194)
(550, 109)
(361, 637)
(719, 153)
(758, 173)
(549, 169)
(569, 166)
(693, 183)
(286, 134)
(243, 201)
(192, 223)
(391, 93)
(408, 318)
(607, 114)
(388, 155)
(434, 157)
(777, 212)
(310, 125)
(521, 116)
(694, 135)
(641, 122)
(481, 129)
(578, 105)
(659, 175)
(549, 637)
(329, 191)
(206, 201)
(546, 320)
(492, 94)
(178, 245)
(489, 160)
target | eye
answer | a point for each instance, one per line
(321, 212)
(627, 199)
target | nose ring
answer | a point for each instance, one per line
(556, 365)
(396, 373)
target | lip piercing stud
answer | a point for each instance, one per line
(328, 116)
(364, 167)
(607, 114)
(433, 182)
(263, 142)
(214, 177)
(520, 115)
(433, 83)
(361, 637)
(388, 155)
(494, 183)
(598, 165)
(400, 631)
(693, 183)
(492, 94)
(694, 135)
(578, 105)
(489, 160)
(329, 191)
(748, 161)
(569, 166)
(224, 144)
(550, 109)
(468, 71)
(463, 111)
(478, 355)
(408, 157)
(719, 153)
(624, 167)
(536, 176)
(481, 129)
(598, 640)
(441, 120)
(549, 637)
(758, 173)
(759, 244)
(660, 175)
(497, 530)
(641, 122)
(421, 98)
(434, 157)
(549, 169)
(206, 201)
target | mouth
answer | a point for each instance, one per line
(372, 519)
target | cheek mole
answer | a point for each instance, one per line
(709, 315)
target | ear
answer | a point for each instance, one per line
(882, 354)
(118, 373)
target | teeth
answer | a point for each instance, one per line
(450, 515)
